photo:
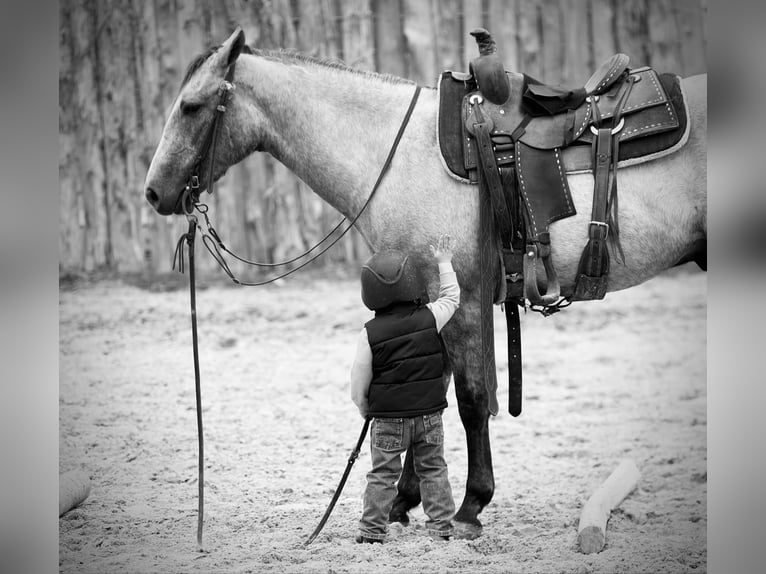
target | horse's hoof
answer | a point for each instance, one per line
(466, 531)
(399, 516)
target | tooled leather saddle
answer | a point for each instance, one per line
(518, 138)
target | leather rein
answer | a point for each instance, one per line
(190, 202)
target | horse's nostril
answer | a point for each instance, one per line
(152, 197)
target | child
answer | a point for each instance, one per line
(398, 379)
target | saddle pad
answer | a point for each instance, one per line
(649, 142)
(452, 88)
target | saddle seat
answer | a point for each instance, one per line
(547, 100)
(489, 72)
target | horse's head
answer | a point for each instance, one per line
(182, 146)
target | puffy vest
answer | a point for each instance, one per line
(407, 363)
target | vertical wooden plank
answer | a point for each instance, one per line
(155, 74)
(450, 37)
(576, 62)
(504, 28)
(420, 32)
(333, 38)
(390, 47)
(691, 19)
(632, 34)
(603, 25)
(71, 207)
(552, 42)
(359, 50)
(310, 34)
(112, 49)
(663, 39)
(96, 24)
(530, 41)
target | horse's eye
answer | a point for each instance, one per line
(189, 108)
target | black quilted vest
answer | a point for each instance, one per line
(407, 363)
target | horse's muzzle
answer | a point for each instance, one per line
(163, 208)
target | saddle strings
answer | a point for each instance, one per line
(212, 241)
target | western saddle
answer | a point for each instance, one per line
(518, 138)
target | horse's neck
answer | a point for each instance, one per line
(333, 128)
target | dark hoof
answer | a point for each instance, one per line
(399, 516)
(466, 531)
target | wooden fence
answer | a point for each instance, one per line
(121, 63)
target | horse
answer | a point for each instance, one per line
(333, 126)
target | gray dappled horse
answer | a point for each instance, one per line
(333, 127)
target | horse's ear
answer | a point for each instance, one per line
(232, 48)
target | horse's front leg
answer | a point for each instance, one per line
(408, 492)
(408, 487)
(463, 338)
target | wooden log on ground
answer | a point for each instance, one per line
(591, 532)
(74, 488)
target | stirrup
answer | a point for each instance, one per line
(531, 290)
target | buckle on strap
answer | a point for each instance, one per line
(594, 225)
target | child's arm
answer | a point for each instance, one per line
(361, 373)
(449, 290)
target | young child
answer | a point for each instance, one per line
(398, 379)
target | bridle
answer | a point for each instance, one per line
(190, 199)
(191, 193)
(210, 237)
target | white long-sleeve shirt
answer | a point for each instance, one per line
(443, 309)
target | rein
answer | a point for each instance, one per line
(211, 240)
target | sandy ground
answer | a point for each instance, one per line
(624, 377)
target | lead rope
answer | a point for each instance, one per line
(190, 201)
(188, 238)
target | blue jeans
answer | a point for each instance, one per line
(389, 440)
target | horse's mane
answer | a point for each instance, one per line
(293, 57)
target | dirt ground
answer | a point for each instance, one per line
(623, 377)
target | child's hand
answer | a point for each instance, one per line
(443, 250)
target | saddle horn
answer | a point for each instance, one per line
(488, 69)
